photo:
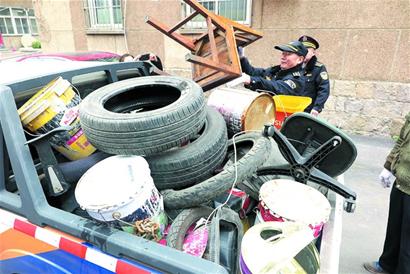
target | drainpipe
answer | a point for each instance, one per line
(125, 28)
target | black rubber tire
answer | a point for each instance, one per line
(225, 238)
(259, 148)
(252, 185)
(181, 224)
(173, 111)
(184, 166)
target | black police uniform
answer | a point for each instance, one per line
(317, 85)
(274, 80)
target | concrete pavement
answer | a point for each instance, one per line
(364, 230)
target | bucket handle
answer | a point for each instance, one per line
(31, 134)
(76, 90)
(45, 135)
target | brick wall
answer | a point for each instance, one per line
(368, 107)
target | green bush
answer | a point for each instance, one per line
(36, 44)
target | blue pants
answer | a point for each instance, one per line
(396, 252)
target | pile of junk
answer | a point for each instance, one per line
(219, 175)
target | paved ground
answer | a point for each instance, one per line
(364, 230)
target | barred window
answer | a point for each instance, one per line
(104, 14)
(17, 21)
(237, 10)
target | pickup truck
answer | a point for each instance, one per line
(37, 237)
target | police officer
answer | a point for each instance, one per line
(286, 78)
(317, 84)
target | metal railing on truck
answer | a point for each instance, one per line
(31, 203)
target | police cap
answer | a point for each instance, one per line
(295, 47)
(309, 42)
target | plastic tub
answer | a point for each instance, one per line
(287, 200)
(286, 105)
(119, 187)
(53, 106)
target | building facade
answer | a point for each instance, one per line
(364, 43)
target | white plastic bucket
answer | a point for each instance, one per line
(119, 187)
(286, 200)
(270, 247)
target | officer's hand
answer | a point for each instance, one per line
(144, 57)
(241, 52)
(314, 112)
(246, 78)
(386, 178)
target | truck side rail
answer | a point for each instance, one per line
(111, 72)
(332, 234)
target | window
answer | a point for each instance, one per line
(104, 14)
(237, 10)
(17, 21)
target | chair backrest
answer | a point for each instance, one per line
(307, 133)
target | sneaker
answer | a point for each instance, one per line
(374, 267)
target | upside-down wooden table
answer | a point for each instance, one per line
(213, 53)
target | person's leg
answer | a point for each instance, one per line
(404, 255)
(389, 258)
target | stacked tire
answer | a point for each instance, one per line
(143, 116)
(164, 118)
(252, 151)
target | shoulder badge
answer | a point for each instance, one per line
(296, 74)
(290, 83)
(324, 75)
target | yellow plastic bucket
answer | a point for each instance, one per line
(286, 105)
(53, 106)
